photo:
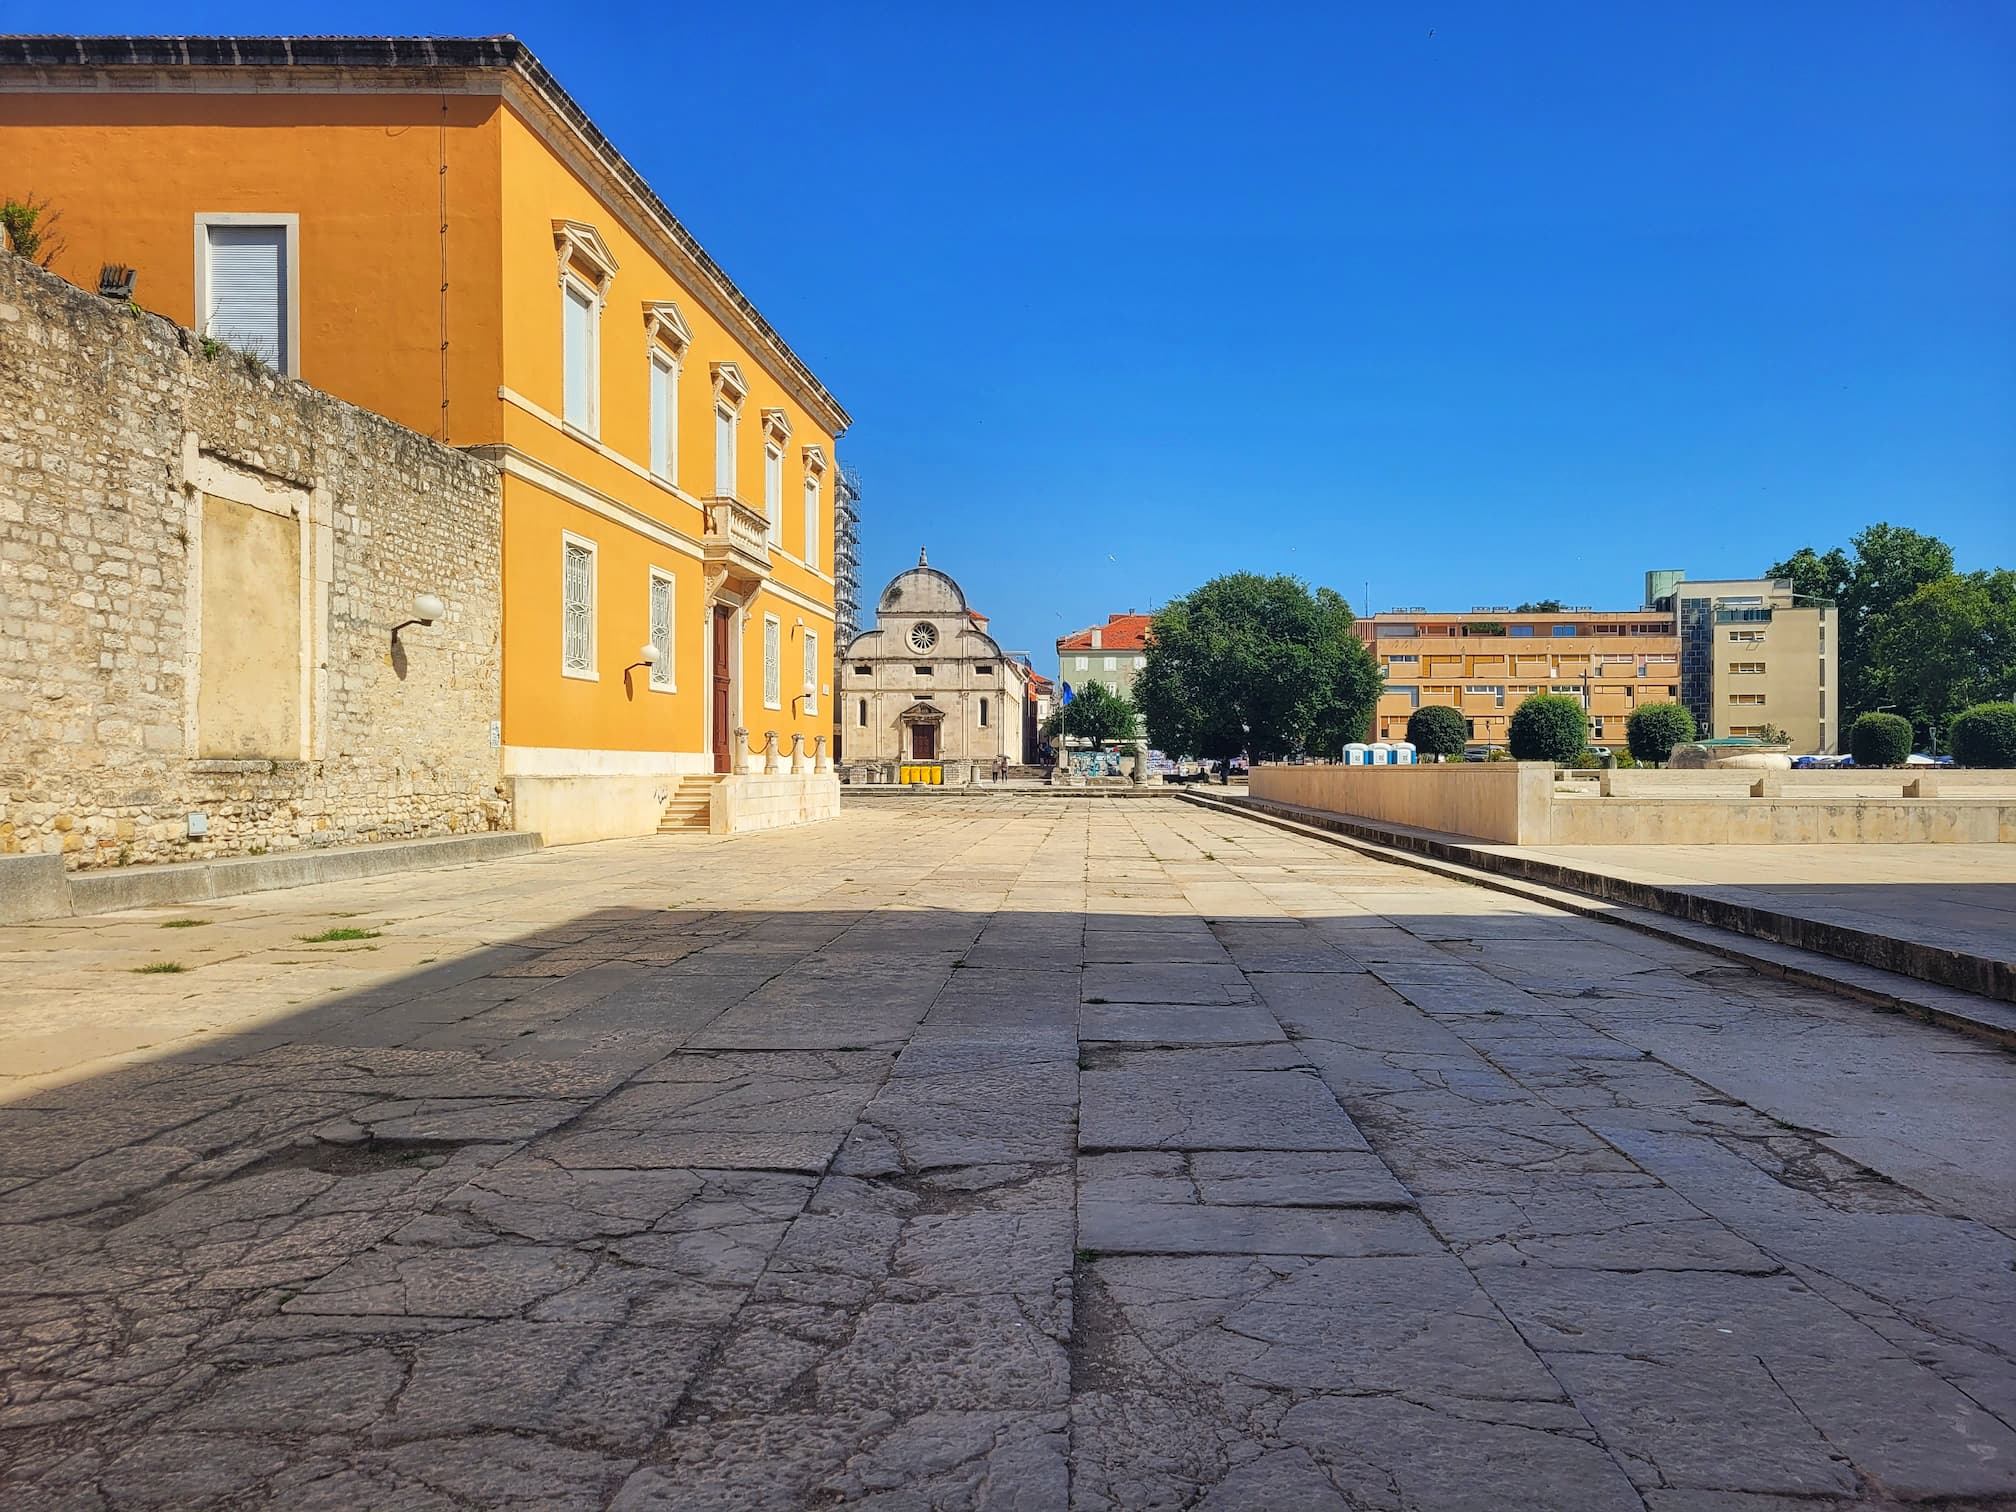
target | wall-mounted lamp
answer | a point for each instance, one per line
(647, 656)
(427, 608)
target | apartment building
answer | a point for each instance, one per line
(1754, 656)
(1111, 654)
(433, 229)
(1487, 661)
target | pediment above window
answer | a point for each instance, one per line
(815, 460)
(664, 324)
(729, 384)
(582, 251)
(776, 426)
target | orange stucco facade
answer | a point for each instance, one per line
(439, 215)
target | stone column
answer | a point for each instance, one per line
(800, 762)
(745, 759)
(1140, 773)
(821, 762)
(772, 762)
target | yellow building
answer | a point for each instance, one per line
(1488, 661)
(435, 230)
(1755, 657)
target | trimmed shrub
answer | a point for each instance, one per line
(1985, 735)
(1437, 730)
(1548, 727)
(1880, 740)
(1655, 728)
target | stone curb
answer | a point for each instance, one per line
(94, 892)
(1947, 1007)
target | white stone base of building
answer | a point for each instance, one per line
(569, 796)
(772, 801)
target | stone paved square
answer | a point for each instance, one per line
(1002, 1152)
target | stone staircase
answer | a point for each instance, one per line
(687, 810)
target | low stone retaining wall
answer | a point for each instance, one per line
(1743, 820)
(1967, 971)
(38, 887)
(1517, 803)
(763, 801)
(1507, 801)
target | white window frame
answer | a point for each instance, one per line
(665, 438)
(812, 521)
(592, 672)
(773, 493)
(811, 671)
(1112, 664)
(572, 283)
(1084, 663)
(664, 676)
(773, 662)
(290, 223)
(726, 443)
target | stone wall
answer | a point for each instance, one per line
(1507, 801)
(117, 428)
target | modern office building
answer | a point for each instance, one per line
(433, 229)
(1753, 655)
(1485, 662)
(1110, 654)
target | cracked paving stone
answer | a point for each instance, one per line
(991, 1153)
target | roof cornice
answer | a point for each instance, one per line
(67, 64)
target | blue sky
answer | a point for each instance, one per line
(1476, 302)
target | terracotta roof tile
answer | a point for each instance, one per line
(1124, 632)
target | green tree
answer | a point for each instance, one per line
(1655, 728)
(1540, 606)
(1256, 666)
(1950, 644)
(1887, 564)
(1548, 727)
(1096, 713)
(1879, 740)
(1985, 736)
(1438, 730)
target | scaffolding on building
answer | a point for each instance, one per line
(846, 580)
(846, 559)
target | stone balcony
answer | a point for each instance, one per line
(738, 539)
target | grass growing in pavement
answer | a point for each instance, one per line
(160, 968)
(183, 923)
(330, 936)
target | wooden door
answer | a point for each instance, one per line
(923, 742)
(724, 728)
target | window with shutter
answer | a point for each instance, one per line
(579, 356)
(661, 627)
(811, 671)
(773, 495)
(811, 522)
(724, 451)
(773, 693)
(246, 301)
(577, 607)
(664, 416)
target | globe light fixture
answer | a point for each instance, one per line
(427, 608)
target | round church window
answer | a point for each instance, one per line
(923, 637)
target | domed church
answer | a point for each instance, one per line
(928, 683)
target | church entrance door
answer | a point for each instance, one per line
(923, 742)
